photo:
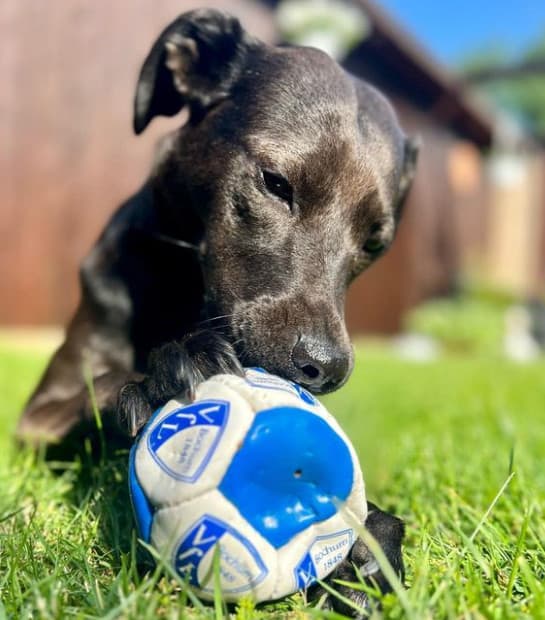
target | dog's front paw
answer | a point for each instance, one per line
(360, 564)
(175, 368)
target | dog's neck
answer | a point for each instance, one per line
(160, 221)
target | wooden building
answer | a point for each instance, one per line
(68, 156)
(443, 219)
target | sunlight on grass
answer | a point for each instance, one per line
(455, 447)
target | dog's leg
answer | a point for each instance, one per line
(55, 415)
(173, 369)
(388, 531)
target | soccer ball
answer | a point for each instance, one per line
(253, 483)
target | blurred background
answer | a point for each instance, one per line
(467, 271)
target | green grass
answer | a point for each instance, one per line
(456, 447)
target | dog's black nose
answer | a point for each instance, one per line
(320, 365)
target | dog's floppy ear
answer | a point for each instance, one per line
(195, 61)
(411, 148)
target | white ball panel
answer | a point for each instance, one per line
(263, 391)
(314, 554)
(195, 456)
(247, 563)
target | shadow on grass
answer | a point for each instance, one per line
(99, 485)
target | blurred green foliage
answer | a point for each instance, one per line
(523, 95)
(472, 322)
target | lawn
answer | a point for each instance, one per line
(456, 447)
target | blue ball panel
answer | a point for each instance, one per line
(143, 510)
(288, 473)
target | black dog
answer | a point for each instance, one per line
(285, 183)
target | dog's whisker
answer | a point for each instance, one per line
(215, 318)
(218, 317)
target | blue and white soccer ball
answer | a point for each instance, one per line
(257, 468)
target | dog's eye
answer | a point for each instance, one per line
(279, 186)
(373, 246)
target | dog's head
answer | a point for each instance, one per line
(298, 172)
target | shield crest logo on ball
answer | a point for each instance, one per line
(184, 441)
(241, 567)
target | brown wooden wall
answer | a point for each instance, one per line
(541, 275)
(68, 157)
